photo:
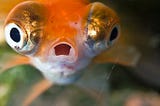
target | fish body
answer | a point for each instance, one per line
(60, 38)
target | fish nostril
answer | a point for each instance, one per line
(62, 49)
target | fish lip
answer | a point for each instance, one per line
(71, 58)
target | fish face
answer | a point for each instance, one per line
(61, 40)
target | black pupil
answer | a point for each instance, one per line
(114, 34)
(15, 35)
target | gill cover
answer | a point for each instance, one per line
(23, 27)
(101, 29)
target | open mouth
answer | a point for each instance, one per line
(62, 49)
(63, 52)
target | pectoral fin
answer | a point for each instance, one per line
(9, 60)
(123, 55)
(36, 91)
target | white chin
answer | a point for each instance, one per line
(63, 78)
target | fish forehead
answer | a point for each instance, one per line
(64, 17)
(64, 3)
(61, 11)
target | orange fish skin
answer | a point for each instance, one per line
(61, 37)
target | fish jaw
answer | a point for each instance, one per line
(60, 72)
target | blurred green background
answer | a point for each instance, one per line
(122, 86)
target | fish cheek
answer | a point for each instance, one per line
(29, 16)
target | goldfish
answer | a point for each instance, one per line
(60, 38)
(60, 47)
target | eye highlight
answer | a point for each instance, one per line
(15, 36)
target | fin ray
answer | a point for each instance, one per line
(123, 55)
(36, 90)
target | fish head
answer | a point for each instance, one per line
(60, 37)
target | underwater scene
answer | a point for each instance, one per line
(115, 60)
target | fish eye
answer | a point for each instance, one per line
(15, 36)
(24, 27)
(114, 34)
(102, 28)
